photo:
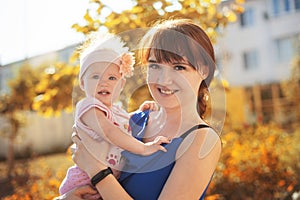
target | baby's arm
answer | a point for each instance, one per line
(103, 126)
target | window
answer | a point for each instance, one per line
(265, 103)
(297, 4)
(247, 18)
(275, 7)
(284, 6)
(250, 59)
(266, 93)
(281, 6)
(250, 107)
(287, 7)
(285, 48)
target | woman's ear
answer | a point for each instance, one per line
(204, 71)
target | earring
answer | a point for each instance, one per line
(206, 97)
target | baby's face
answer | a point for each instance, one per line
(103, 81)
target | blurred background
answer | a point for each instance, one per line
(257, 45)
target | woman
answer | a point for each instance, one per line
(181, 65)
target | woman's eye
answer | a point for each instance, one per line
(95, 77)
(153, 66)
(179, 67)
(112, 78)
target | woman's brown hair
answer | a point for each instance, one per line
(174, 40)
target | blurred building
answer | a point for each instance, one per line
(10, 70)
(254, 55)
(40, 134)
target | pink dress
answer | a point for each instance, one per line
(75, 176)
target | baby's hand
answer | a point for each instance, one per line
(149, 105)
(152, 147)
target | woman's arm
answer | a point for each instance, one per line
(96, 120)
(77, 193)
(194, 167)
(109, 187)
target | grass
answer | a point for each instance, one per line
(34, 178)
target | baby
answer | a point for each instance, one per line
(104, 64)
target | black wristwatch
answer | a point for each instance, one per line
(100, 176)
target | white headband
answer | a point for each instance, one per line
(102, 55)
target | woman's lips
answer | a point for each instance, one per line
(166, 91)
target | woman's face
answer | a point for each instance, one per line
(172, 84)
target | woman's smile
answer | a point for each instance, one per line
(166, 91)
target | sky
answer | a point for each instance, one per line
(34, 27)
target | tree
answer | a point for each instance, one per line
(209, 14)
(20, 98)
(55, 90)
(42, 90)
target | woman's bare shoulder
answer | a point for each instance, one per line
(201, 143)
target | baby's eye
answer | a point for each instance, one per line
(112, 78)
(95, 76)
(153, 66)
(179, 67)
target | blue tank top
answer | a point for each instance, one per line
(143, 177)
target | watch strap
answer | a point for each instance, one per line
(100, 176)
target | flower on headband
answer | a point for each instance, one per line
(126, 66)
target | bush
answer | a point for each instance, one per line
(36, 178)
(259, 162)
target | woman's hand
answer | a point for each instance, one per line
(109, 188)
(78, 193)
(89, 154)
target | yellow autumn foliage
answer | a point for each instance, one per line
(207, 13)
(259, 161)
(55, 90)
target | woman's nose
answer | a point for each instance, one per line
(165, 77)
